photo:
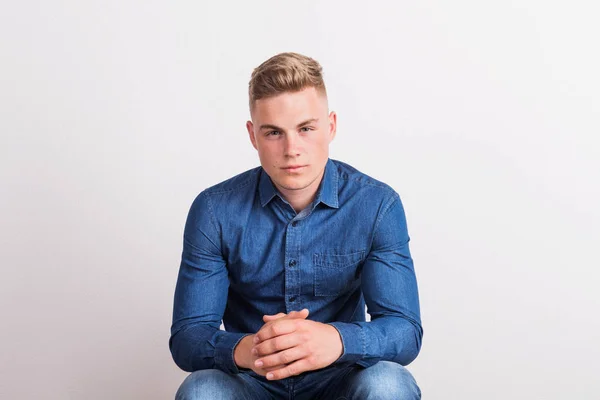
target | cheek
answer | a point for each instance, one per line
(323, 139)
(321, 146)
(267, 157)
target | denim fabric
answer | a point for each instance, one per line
(382, 381)
(247, 253)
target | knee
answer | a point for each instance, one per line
(204, 385)
(388, 380)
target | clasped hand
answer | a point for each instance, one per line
(289, 344)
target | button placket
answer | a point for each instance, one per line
(292, 274)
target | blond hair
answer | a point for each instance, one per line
(285, 72)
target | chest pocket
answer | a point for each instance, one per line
(336, 273)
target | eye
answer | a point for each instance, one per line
(273, 133)
(306, 128)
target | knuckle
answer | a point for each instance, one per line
(266, 362)
(276, 329)
(307, 348)
(285, 358)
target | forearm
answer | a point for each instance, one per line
(203, 346)
(389, 338)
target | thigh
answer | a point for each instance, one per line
(214, 384)
(385, 380)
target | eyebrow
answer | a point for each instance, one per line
(301, 124)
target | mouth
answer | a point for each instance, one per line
(293, 168)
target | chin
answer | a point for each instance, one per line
(293, 183)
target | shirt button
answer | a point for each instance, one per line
(292, 263)
(295, 223)
(292, 299)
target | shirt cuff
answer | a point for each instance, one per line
(355, 345)
(353, 342)
(225, 343)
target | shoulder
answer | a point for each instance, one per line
(238, 182)
(367, 198)
(353, 182)
(237, 187)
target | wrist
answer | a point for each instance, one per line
(338, 342)
(241, 352)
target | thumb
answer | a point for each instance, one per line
(302, 314)
(268, 318)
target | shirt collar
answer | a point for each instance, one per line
(326, 194)
(328, 189)
(266, 189)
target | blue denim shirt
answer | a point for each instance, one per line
(247, 253)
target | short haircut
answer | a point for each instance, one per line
(285, 72)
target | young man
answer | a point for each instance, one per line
(287, 254)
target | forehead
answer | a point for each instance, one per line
(290, 106)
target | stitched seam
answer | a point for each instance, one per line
(241, 185)
(213, 220)
(387, 208)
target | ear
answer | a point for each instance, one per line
(250, 129)
(332, 125)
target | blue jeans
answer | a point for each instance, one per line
(382, 381)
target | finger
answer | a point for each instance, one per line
(260, 335)
(275, 328)
(276, 344)
(268, 318)
(283, 357)
(299, 314)
(265, 371)
(269, 369)
(295, 368)
(294, 314)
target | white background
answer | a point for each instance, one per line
(483, 115)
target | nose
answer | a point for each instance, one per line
(291, 145)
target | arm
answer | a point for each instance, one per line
(390, 290)
(200, 297)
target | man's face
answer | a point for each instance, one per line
(292, 132)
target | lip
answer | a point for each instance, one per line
(292, 168)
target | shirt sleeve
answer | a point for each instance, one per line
(390, 291)
(196, 341)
